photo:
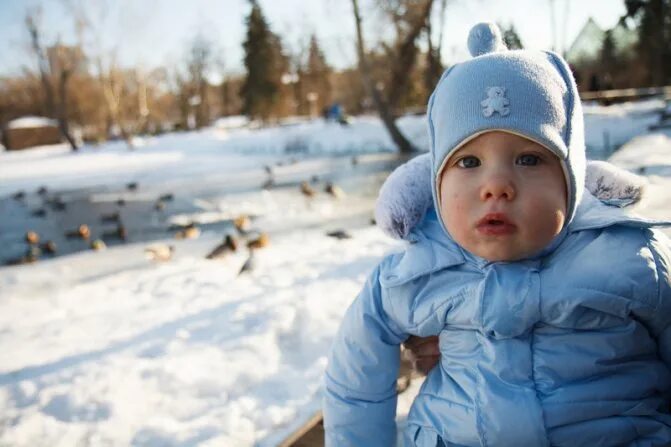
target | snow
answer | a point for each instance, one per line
(30, 122)
(231, 122)
(607, 128)
(110, 348)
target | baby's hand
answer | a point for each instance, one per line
(423, 352)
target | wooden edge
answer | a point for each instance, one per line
(296, 435)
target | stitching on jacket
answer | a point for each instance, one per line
(454, 300)
(391, 320)
(442, 399)
(628, 419)
(532, 344)
(358, 395)
(478, 401)
(627, 298)
(655, 257)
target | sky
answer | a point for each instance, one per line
(152, 33)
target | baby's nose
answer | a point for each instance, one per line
(499, 187)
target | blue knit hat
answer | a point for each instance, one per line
(524, 92)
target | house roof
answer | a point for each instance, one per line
(27, 122)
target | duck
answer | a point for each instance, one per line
(58, 204)
(159, 205)
(339, 234)
(82, 232)
(242, 223)
(40, 212)
(32, 237)
(98, 245)
(118, 233)
(249, 264)
(228, 245)
(111, 217)
(259, 242)
(31, 256)
(307, 190)
(159, 252)
(334, 190)
(49, 247)
(190, 231)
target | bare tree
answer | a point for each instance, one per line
(434, 65)
(111, 80)
(402, 62)
(56, 65)
(199, 63)
(125, 93)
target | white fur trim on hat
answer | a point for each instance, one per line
(406, 194)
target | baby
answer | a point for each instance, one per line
(553, 309)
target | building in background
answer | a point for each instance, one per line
(604, 59)
(29, 131)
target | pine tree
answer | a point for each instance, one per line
(265, 65)
(609, 58)
(511, 38)
(654, 34)
(317, 74)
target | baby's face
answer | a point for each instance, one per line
(502, 196)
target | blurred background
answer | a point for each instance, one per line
(187, 192)
(114, 69)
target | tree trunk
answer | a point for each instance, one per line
(63, 110)
(434, 65)
(112, 94)
(405, 58)
(404, 146)
(42, 65)
(47, 74)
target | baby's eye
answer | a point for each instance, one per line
(528, 160)
(469, 162)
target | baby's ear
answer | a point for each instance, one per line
(613, 185)
(404, 197)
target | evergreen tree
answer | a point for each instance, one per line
(265, 65)
(609, 58)
(654, 34)
(317, 73)
(511, 38)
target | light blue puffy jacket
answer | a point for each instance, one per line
(570, 349)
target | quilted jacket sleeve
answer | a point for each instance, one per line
(660, 324)
(360, 380)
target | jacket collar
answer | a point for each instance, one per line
(429, 249)
(594, 214)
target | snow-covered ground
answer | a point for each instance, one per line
(109, 348)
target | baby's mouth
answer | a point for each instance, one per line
(495, 224)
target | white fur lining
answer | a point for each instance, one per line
(406, 194)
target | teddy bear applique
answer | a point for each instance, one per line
(495, 102)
